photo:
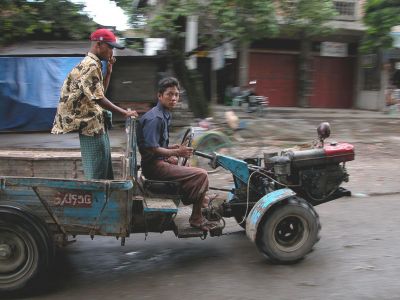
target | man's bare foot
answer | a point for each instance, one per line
(204, 225)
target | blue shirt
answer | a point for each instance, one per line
(153, 131)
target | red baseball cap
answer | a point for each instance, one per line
(107, 36)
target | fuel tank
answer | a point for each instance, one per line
(332, 153)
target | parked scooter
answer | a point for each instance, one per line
(248, 99)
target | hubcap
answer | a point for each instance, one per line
(18, 255)
(5, 251)
(291, 232)
(13, 253)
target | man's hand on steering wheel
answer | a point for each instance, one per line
(184, 151)
(187, 145)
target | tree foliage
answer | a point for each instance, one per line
(380, 17)
(219, 20)
(308, 17)
(136, 11)
(47, 19)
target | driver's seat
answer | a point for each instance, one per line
(161, 187)
(160, 196)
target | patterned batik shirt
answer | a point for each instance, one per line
(78, 109)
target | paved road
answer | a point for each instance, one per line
(356, 258)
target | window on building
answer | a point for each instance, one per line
(371, 80)
(346, 9)
(370, 73)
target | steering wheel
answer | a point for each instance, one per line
(186, 141)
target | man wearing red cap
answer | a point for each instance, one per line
(84, 108)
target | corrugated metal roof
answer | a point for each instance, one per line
(56, 48)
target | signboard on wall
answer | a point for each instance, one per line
(152, 45)
(395, 34)
(334, 49)
(218, 59)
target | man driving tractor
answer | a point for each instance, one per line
(160, 160)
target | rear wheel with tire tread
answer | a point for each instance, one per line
(26, 250)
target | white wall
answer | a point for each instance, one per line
(369, 100)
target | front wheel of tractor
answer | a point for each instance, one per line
(289, 232)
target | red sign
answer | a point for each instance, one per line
(73, 199)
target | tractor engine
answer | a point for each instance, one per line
(316, 174)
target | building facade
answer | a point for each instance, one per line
(334, 72)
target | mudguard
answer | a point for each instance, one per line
(201, 136)
(261, 207)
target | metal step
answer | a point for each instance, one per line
(183, 228)
(159, 205)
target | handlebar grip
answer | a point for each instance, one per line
(202, 154)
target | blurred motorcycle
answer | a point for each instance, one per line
(248, 99)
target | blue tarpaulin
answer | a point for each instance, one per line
(30, 90)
